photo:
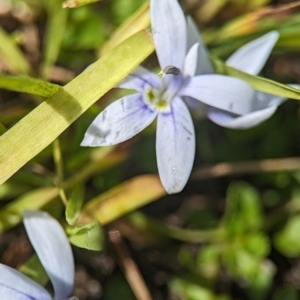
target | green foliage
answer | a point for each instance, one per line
(221, 245)
(89, 236)
(287, 239)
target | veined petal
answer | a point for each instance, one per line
(227, 120)
(175, 146)
(53, 249)
(252, 57)
(140, 80)
(190, 62)
(204, 65)
(16, 286)
(169, 32)
(120, 121)
(223, 92)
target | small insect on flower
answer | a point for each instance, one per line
(172, 70)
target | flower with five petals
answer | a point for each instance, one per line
(162, 98)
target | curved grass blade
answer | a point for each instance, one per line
(259, 83)
(28, 85)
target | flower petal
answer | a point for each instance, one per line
(204, 65)
(16, 286)
(175, 146)
(227, 120)
(190, 62)
(53, 249)
(252, 57)
(140, 80)
(120, 121)
(169, 32)
(223, 92)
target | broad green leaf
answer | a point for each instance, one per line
(77, 3)
(74, 205)
(12, 55)
(28, 85)
(35, 270)
(287, 240)
(138, 21)
(259, 83)
(122, 199)
(12, 214)
(89, 236)
(40, 127)
(55, 32)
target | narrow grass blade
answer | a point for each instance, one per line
(28, 85)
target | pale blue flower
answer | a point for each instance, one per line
(162, 98)
(250, 59)
(54, 251)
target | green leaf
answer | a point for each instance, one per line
(74, 205)
(89, 236)
(12, 214)
(12, 55)
(259, 83)
(35, 270)
(28, 85)
(122, 199)
(137, 21)
(46, 122)
(261, 283)
(184, 289)
(77, 3)
(243, 209)
(55, 32)
(287, 240)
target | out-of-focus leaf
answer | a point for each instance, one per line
(40, 127)
(12, 214)
(243, 209)
(138, 21)
(123, 9)
(287, 240)
(89, 236)
(74, 204)
(286, 293)
(260, 284)
(123, 199)
(77, 3)
(55, 31)
(257, 244)
(35, 270)
(12, 55)
(210, 8)
(259, 83)
(28, 85)
(207, 261)
(185, 289)
(11, 189)
(2, 128)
